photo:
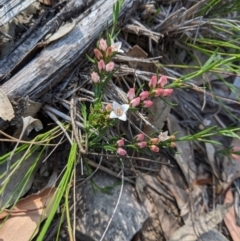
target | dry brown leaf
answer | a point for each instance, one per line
(204, 224)
(185, 157)
(138, 52)
(231, 168)
(48, 2)
(6, 109)
(32, 210)
(16, 186)
(158, 115)
(211, 154)
(230, 219)
(62, 31)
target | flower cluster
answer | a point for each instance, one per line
(156, 89)
(103, 55)
(153, 144)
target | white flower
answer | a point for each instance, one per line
(163, 136)
(116, 47)
(119, 111)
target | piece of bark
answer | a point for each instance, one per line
(58, 59)
(11, 8)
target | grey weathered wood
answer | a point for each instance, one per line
(36, 35)
(10, 8)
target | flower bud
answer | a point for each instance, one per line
(162, 81)
(158, 92)
(172, 144)
(167, 92)
(109, 52)
(108, 107)
(142, 144)
(154, 148)
(101, 65)
(135, 102)
(131, 94)
(98, 54)
(120, 142)
(147, 103)
(95, 77)
(103, 44)
(154, 141)
(144, 95)
(110, 66)
(121, 152)
(140, 137)
(153, 81)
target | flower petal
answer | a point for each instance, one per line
(123, 117)
(116, 105)
(113, 115)
(125, 107)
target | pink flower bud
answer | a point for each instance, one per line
(147, 103)
(153, 81)
(98, 54)
(131, 94)
(101, 65)
(120, 142)
(158, 92)
(142, 144)
(108, 108)
(144, 95)
(154, 148)
(95, 77)
(154, 141)
(162, 81)
(140, 137)
(135, 102)
(167, 92)
(121, 152)
(109, 66)
(109, 52)
(234, 155)
(103, 44)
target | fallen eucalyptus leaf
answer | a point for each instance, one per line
(204, 224)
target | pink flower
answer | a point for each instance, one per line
(120, 142)
(140, 137)
(103, 44)
(158, 92)
(135, 102)
(98, 54)
(109, 66)
(154, 148)
(153, 81)
(101, 65)
(142, 144)
(144, 95)
(167, 92)
(131, 94)
(95, 77)
(121, 152)
(108, 107)
(162, 81)
(147, 103)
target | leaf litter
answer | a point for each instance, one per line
(178, 206)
